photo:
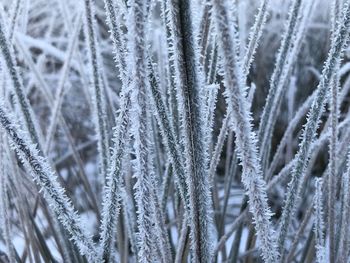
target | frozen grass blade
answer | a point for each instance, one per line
(5, 205)
(112, 192)
(319, 224)
(275, 85)
(25, 109)
(333, 164)
(98, 98)
(140, 126)
(344, 229)
(53, 192)
(168, 135)
(252, 177)
(61, 84)
(255, 35)
(174, 78)
(200, 215)
(337, 48)
(297, 40)
(114, 24)
(15, 11)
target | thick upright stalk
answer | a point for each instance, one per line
(200, 217)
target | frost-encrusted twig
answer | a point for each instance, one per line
(15, 10)
(193, 130)
(172, 63)
(275, 86)
(25, 109)
(291, 126)
(255, 35)
(98, 98)
(54, 194)
(115, 184)
(299, 233)
(210, 97)
(113, 19)
(114, 180)
(180, 33)
(5, 205)
(222, 136)
(319, 223)
(63, 8)
(338, 44)
(61, 84)
(297, 40)
(160, 231)
(140, 130)
(219, 145)
(344, 229)
(252, 179)
(276, 179)
(334, 109)
(182, 243)
(168, 135)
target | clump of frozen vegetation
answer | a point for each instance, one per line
(174, 131)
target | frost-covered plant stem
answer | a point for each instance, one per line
(204, 30)
(15, 11)
(5, 205)
(344, 230)
(219, 145)
(80, 65)
(99, 100)
(179, 31)
(54, 194)
(276, 75)
(254, 38)
(140, 129)
(338, 44)
(319, 223)
(25, 109)
(192, 122)
(169, 138)
(114, 180)
(255, 35)
(291, 126)
(299, 233)
(278, 178)
(113, 14)
(172, 63)
(297, 40)
(245, 139)
(333, 164)
(61, 84)
(334, 109)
